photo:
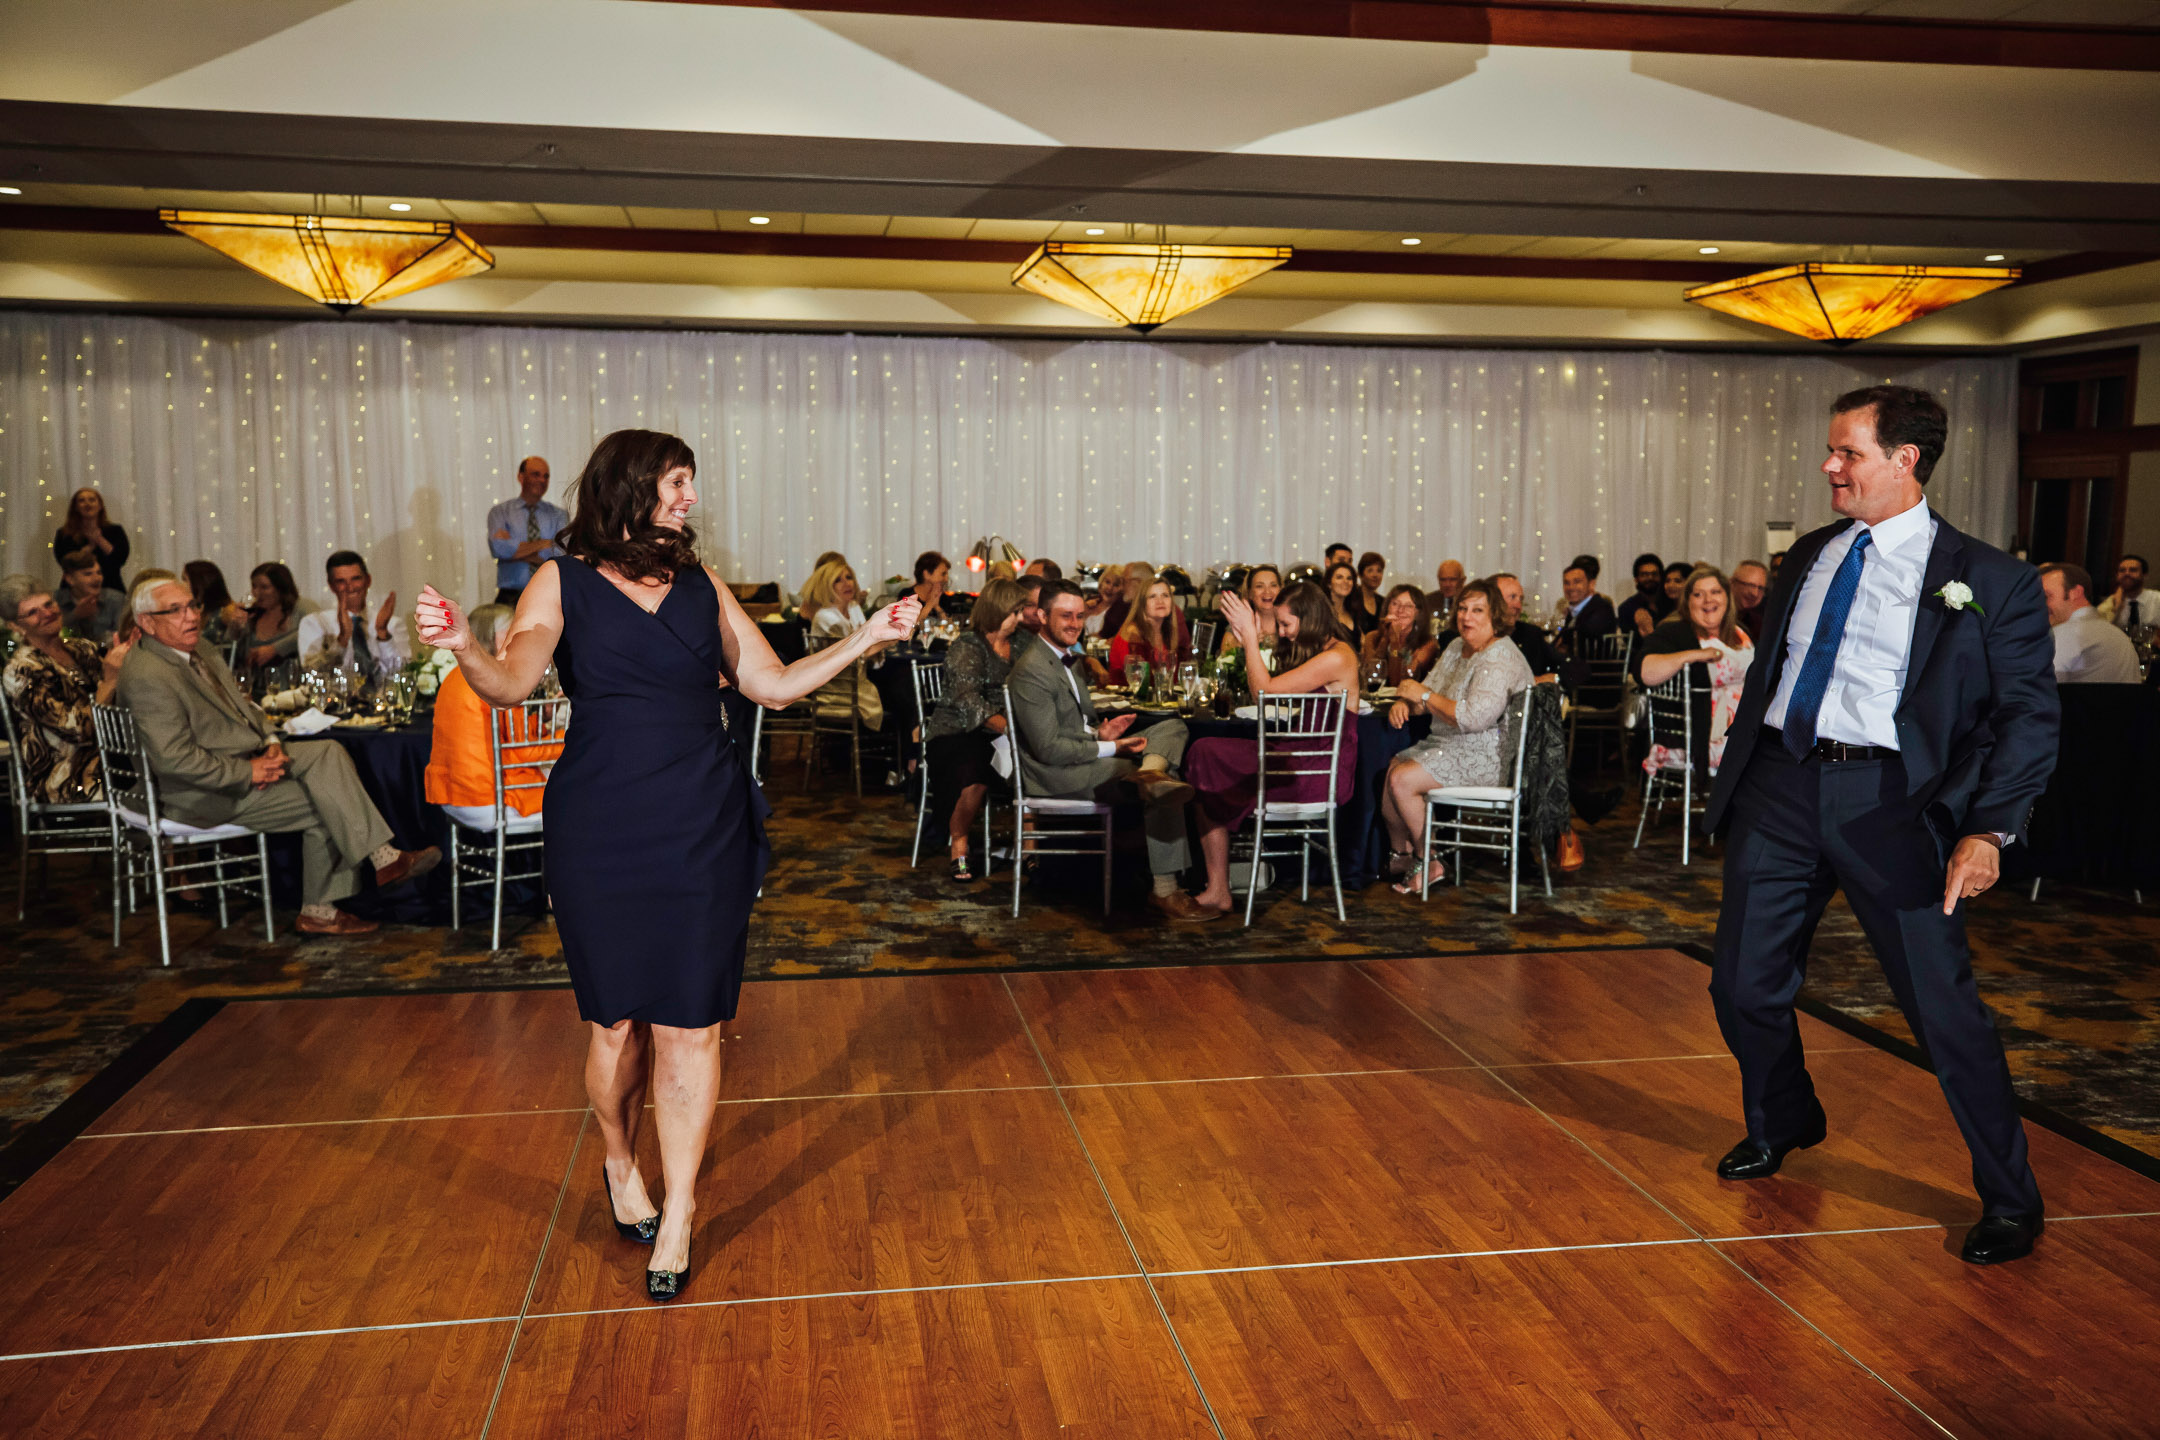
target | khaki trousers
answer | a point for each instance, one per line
(321, 797)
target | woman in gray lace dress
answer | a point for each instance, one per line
(957, 741)
(1466, 694)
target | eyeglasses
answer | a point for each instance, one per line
(189, 608)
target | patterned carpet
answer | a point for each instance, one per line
(2075, 977)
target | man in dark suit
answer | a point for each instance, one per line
(1891, 739)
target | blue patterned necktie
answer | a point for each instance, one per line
(1807, 695)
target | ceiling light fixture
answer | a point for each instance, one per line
(1095, 230)
(1412, 240)
(1706, 250)
(342, 261)
(761, 219)
(399, 206)
(9, 190)
(1845, 303)
(1993, 258)
(1141, 285)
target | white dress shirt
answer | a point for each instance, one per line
(319, 643)
(1860, 704)
(2088, 650)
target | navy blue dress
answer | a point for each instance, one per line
(655, 830)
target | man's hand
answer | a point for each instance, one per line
(1111, 729)
(382, 616)
(1643, 623)
(1975, 866)
(344, 625)
(1132, 744)
(267, 769)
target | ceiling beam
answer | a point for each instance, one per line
(1574, 25)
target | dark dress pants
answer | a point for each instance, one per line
(1799, 832)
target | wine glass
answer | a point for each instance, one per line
(1136, 675)
(1188, 683)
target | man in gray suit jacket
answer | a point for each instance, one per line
(218, 762)
(1065, 755)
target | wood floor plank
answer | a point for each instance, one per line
(860, 1193)
(430, 1384)
(1659, 1341)
(180, 1237)
(2057, 1345)
(879, 1034)
(1600, 1005)
(284, 1061)
(1111, 1026)
(1083, 1361)
(1894, 1156)
(1271, 1172)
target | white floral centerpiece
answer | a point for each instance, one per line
(431, 672)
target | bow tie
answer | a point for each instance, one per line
(1071, 659)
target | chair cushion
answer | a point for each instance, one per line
(174, 830)
(1063, 807)
(1470, 795)
(482, 818)
(1297, 809)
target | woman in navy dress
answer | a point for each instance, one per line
(655, 830)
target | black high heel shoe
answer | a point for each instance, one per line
(643, 1231)
(667, 1284)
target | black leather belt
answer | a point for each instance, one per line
(1836, 752)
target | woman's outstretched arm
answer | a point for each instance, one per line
(750, 665)
(533, 633)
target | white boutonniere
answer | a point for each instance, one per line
(1958, 595)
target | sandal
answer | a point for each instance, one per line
(1408, 885)
(959, 872)
(1400, 863)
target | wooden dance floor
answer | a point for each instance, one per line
(1464, 1196)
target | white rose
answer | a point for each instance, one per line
(1957, 594)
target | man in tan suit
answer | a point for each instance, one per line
(218, 762)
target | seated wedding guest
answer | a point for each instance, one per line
(1402, 644)
(1584, 614)
(272, 628)
(521, 532)
(1137, 576)
(1341, 581)
(1044, 568)
(832, 601)
(219, 761)
(1155, 633)
(830, 557)
(461, 758)
(346, 632)
(1447, 588)
(88, 528)
(1705, 630)
(1466, 695)
(1366, 600)
(1537, 650)
(1109, 591)
(223, 618)
(2088, 650)
(49, 683)
(1650, 603)
(2132, 606)
(1750, 584)
(957, 743)
(1064, 754)
(932, 572)
(87, 608)
(1263, 590)
(1222, 770)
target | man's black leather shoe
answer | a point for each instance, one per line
(1999, 1238)
(1753, 1160)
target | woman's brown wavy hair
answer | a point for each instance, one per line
(616, 496)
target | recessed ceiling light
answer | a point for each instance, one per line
(761, 219)
(1095, 230)
(399, 205)
(9, 190)
(1706, 250)
(1995, 257)
(1412, 240)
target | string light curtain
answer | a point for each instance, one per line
(242, 442)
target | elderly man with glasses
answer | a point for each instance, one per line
(218, 761)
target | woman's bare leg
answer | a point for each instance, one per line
(686, 1087)
(1403, 799)
(618, 1064)
(1215, 850)
(966, 810)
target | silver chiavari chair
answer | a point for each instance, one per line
(1300, 738)
(527, 736)
(1668, 713)
(1483, 817)
(42, 828)
(1091, 839)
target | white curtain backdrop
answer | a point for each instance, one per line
(243, 442)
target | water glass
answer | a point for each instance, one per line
(1136, 675)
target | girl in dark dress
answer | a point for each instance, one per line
(88, 527)
(654, 829)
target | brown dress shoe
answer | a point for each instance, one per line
(339, 924)
(409, 865)
(1160, 787)
(1180, 908)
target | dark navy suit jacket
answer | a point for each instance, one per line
(1978, 719)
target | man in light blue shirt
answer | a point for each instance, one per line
(521, 532)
